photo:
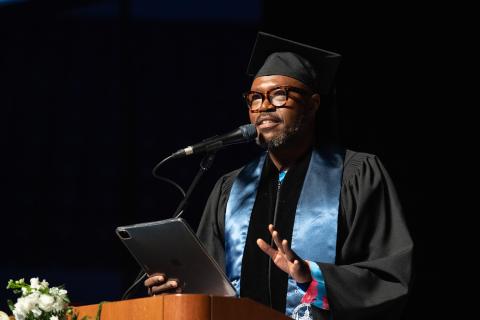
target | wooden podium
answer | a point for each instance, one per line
(182, 307)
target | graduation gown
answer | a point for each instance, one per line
(371, 276)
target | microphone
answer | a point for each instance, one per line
(244, 133)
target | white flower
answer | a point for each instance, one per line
(57, 292)
(54, 291)
(36, 312)
(34, 297)
(59, 304)
(35, 283)
(46, 302)
(18, 315)
(26, 304)
(38, 301)
(4, 316)
(44, 284)
(22, 307)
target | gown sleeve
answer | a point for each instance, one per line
(372, 273)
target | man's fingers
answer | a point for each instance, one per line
(155, 280)
(171, 284)
(158, 284)
(296, 266)
(289, 254)
(275, 237)
(265, 247)
(278, 242)
(301, 271)
(271, 228)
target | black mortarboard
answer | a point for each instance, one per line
(273, 55)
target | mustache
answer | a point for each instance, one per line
(271, 117)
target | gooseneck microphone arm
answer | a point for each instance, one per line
(206, 164)
(242, 134)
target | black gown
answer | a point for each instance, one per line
(373, 266)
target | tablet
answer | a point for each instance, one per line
(171, 247)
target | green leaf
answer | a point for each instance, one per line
(99, 310)
(44, 291)
(10, 284)
(11, 305)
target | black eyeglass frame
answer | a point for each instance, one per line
(267, 95)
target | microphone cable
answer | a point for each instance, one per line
(173, 183)
(140, 277)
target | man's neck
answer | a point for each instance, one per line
(284, 158)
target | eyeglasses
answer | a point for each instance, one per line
(277, 97)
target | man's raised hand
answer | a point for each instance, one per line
(285, 258)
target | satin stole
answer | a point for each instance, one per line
(314, 235)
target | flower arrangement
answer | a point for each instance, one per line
(38, 301)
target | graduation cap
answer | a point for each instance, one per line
(272, 55)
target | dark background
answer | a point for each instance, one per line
(95, 93)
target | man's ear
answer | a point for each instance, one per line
(315, 102)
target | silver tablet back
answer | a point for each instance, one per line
(171, 247)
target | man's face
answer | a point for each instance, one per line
(285, 125)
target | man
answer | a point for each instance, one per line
(309, 229)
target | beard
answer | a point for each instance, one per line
(285, 138)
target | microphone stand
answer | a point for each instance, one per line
(205, 164)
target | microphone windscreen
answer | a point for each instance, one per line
(249, 131)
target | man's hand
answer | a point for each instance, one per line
(158, 283)
(285, 258)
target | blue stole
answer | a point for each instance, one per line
(314, 235)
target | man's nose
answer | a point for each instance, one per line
(266, 106)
